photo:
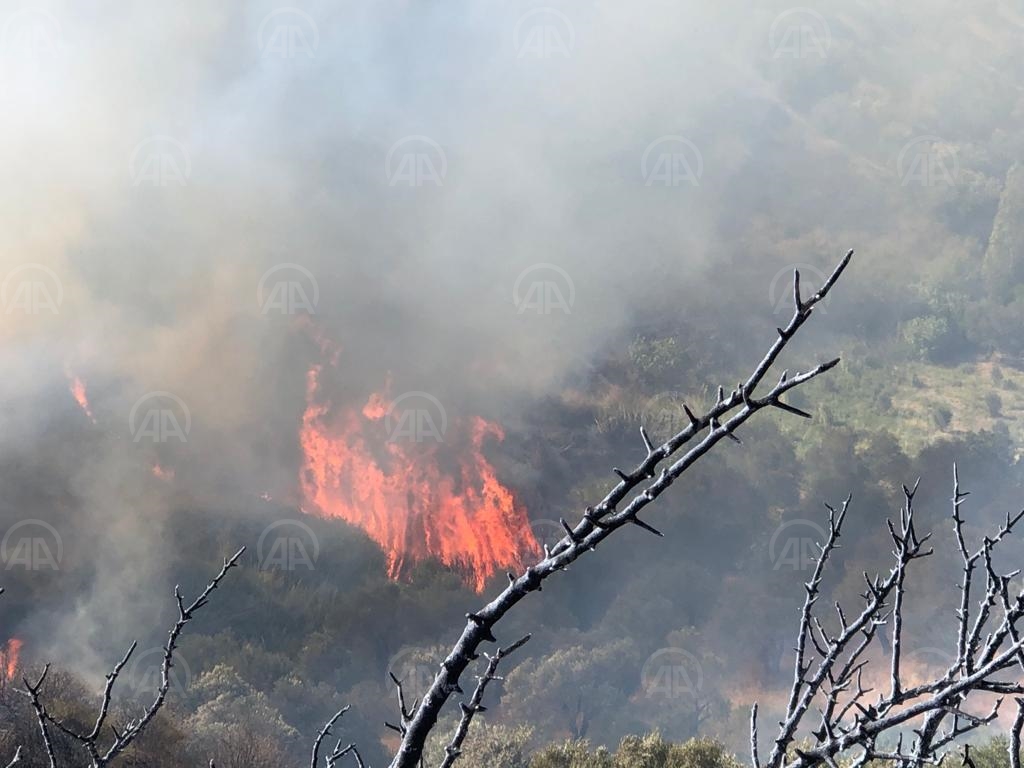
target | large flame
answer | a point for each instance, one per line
(399, 494)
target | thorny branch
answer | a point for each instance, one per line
(850, 725)
(619, 508)
(324, 733)
(90, 742)
(475, 705)
(339, 751)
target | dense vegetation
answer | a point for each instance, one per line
(928, 323)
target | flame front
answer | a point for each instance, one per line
(399, 494)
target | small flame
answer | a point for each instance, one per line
(9, 657)
(418, 500)
(77, 388)
(163, 473)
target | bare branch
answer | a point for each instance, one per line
(41, 716)
(133, 728)
(339, 752)
(1018, 723)
(324, 733)
(475, 705)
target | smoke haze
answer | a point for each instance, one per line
(209, 192)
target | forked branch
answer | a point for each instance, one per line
(454, 749)
(123, 737)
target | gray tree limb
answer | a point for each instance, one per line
(454, 749)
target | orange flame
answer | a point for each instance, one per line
(9, 657)
(399, 494)
(77, 387)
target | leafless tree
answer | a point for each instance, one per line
(90, 742)
(909, 725)
(661, 466)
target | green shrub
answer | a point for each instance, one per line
(571, 754)
(926, 336)
(650, 751)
